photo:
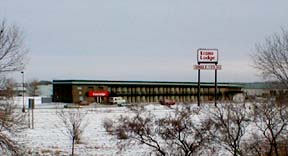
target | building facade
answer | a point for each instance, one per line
(76, 91)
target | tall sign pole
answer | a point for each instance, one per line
(198, 90)
(207, 60)
(215, 93)
(23, 93)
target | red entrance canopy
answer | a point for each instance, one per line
(98, 93)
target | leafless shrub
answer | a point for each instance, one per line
(283, 148)
(224, 128)
(32, 87)
(12, 121)
(254, 146)
(261, 147)
(108, 125)
(272, 122)
(187, 136)
(230, 121)
(74, 124)
(121, 133)
(174, 134)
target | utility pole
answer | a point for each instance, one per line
(23, 107)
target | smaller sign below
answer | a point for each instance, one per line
(207, 67)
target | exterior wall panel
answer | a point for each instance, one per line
(73, 91)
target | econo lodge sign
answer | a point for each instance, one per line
(207, 60)
(207, 55)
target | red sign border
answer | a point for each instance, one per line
(214, 49)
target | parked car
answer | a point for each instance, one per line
(117, 100)
(167, 102)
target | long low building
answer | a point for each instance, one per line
(76, 91)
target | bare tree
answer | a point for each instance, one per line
(11, 121)
(255, 146)
(271, 58)
(6, 88)
(175, 134)
(12, 50)
(73, 121)
(140, 128)
(12, 58)
(272, 122)
(230, 121)
(32, 87)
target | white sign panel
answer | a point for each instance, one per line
(207, 55)
(208, 67)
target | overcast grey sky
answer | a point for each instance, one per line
(142, 39)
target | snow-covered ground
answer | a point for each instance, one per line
(47, 137)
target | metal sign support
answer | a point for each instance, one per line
(215, 93)
(198, 94)
(215, 88)
(209, 56)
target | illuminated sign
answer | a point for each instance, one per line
(98, 93)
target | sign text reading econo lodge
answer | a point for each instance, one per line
(207, 55)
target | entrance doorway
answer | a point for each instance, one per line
(99, 99)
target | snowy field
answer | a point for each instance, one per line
(47, 137)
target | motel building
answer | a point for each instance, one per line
(99, 91)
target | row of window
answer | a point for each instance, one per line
(171, 91)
